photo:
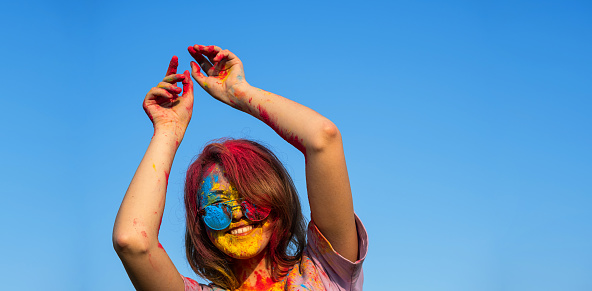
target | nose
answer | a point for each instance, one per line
(237, 212)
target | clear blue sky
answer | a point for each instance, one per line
(467, 130)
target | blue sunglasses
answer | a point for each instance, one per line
(218, 215)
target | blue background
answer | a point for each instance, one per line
(466, 129)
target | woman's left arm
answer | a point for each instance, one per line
(318, 138)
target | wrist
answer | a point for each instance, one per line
(171, 132)
(240, 96)
(239, 91)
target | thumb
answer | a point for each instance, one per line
(198, 76)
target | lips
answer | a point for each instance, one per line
(242, 230)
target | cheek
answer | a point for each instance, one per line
(212, 234)
(242, 247)
(267, 229)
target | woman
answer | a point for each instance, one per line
(244, 223)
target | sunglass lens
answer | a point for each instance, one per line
(216, 216)
(255, 213)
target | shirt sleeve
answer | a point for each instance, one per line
(191, 285)
(341, 273)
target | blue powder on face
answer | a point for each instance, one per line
(206, 185)
(217, 219)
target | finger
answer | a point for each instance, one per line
(209, 51)
(174, 78)
(187, 85)
(173, 66)
(170, 87)
(225, 54)
(220, 61)
(157, 94)
(200, 59)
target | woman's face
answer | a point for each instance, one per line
(243, 239)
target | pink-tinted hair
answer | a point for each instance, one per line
(259, 177)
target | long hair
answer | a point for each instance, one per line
(259, 177)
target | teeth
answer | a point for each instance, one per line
(242, 229)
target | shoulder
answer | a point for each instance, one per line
(322, 267)
(192, 285)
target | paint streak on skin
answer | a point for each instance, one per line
(166, 174)
(135, 221)
(159, 223)
(150, 260)
(288, 136)
(192, 283)
(148, 113)
(154, 167)
(239, 94)
(160, 246)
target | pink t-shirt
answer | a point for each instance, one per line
(321, 268)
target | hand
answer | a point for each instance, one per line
(164, 106)
(224, 71)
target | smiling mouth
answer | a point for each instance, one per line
(243, 230)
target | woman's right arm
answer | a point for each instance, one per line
(135, 233)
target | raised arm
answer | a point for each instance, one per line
(135, 233)
(314, 135)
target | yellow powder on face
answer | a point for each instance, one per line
(215, 186)
(242, 246)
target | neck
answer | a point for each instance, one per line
(253, 273)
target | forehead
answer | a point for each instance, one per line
(215, 186)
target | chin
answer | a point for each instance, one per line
(242, 243)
